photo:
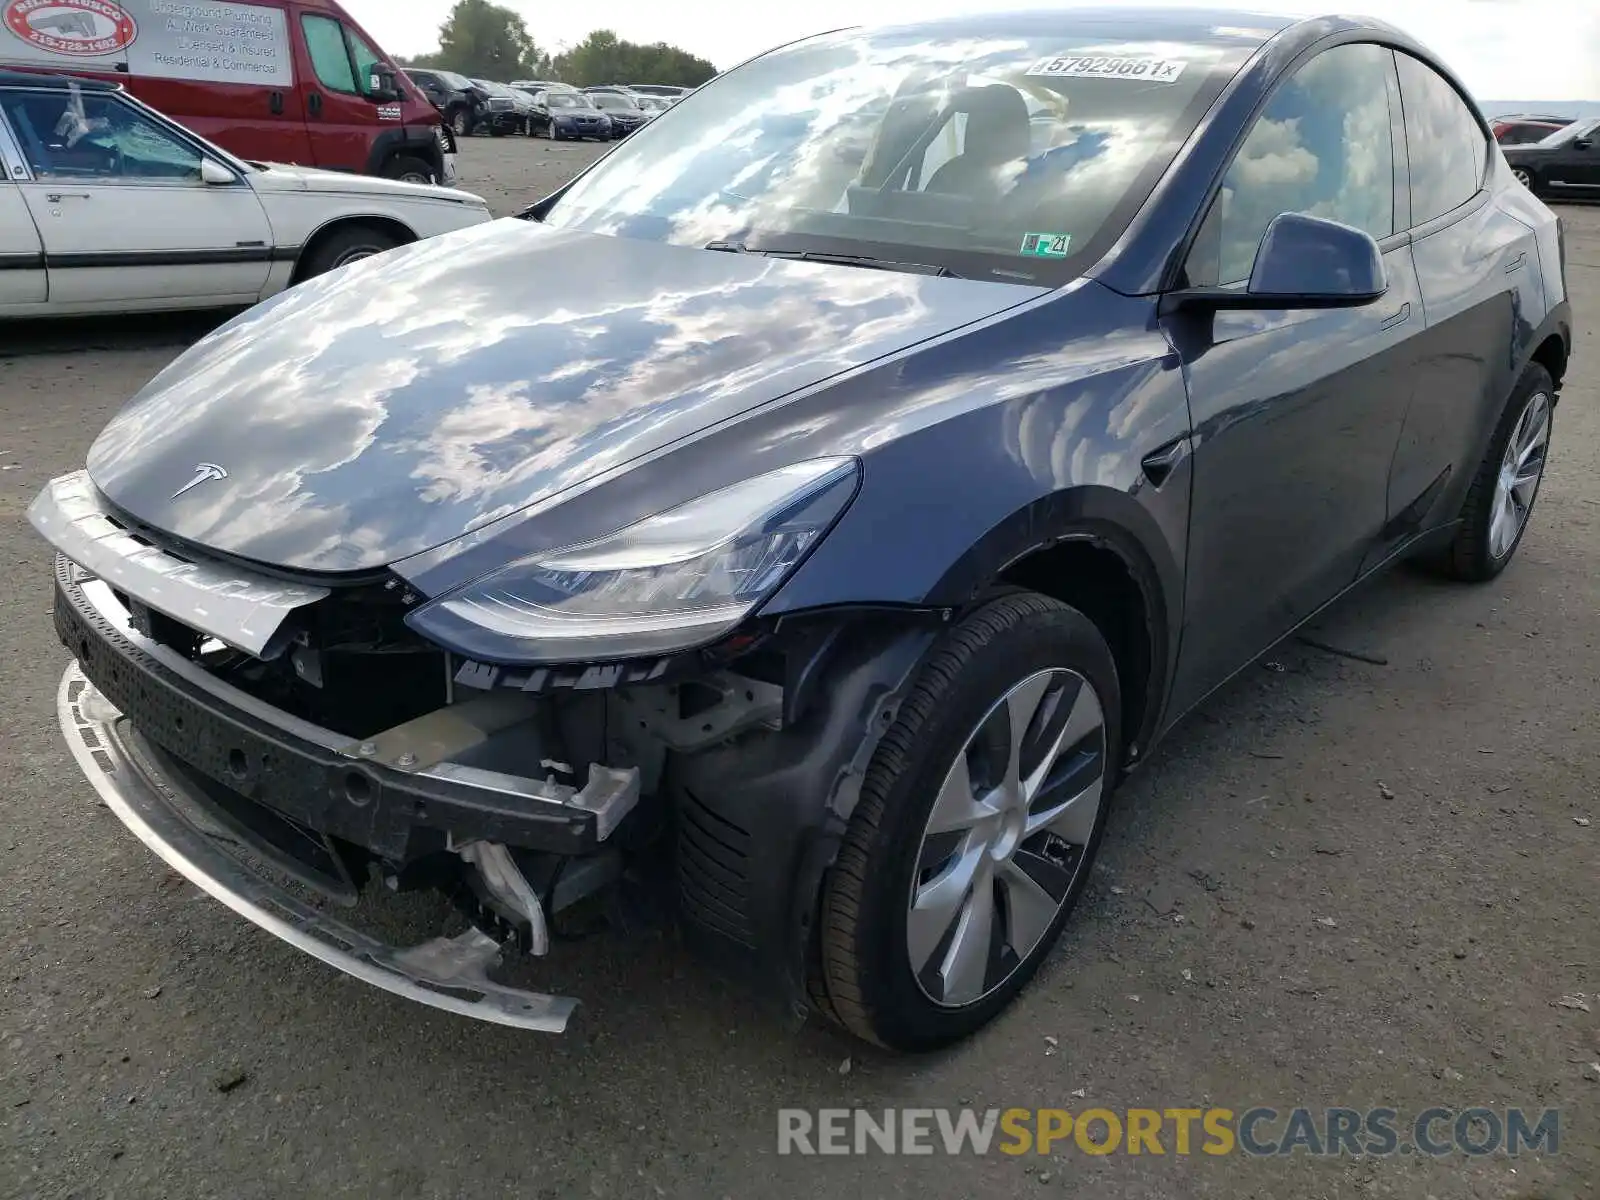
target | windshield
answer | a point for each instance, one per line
(566, 100)
(989, 155)
(1571, 133)
(451, 80)
(612, 101)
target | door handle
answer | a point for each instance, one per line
(275, 102)
(1516, 263)
(1398, 319)
(58, 197)
(314, 103)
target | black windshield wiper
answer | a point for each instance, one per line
(843, 260)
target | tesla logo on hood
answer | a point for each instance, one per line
(202, 473)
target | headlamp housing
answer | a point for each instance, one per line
(682, 578)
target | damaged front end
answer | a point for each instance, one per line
(296, 750)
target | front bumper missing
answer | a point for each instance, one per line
(446, 973)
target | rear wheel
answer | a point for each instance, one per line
(977, 822)
(343, 246)
(1526, 178)
(1495, 514)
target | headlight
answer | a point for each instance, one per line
(682, 578)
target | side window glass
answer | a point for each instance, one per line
(73, 136)
(329, 58)
(1448, 148)
(367, 60)
(1323, 146)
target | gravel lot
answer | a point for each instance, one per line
(1383, 883)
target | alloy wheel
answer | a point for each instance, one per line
(1523, 176)
(356, 254)
(1521, 468)
(1007, 837)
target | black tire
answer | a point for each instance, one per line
(495, 130)
(409, 168)
(461, 123)
(346, 244)
(1470, 556)
(1531, 180)
(865, 965)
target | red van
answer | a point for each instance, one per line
(290, 81)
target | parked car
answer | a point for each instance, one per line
(662, 90)
(268, 81)
(823, 545)
(506, 110)
(626, 116)
(1567, 163)
(558, 115)
(108, 206)
(1524, 130)
(533, 86)
(457, 98)
(650, 106)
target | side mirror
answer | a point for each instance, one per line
(1583, 144)
(214, 174)
(382, 85)
(1303, 262)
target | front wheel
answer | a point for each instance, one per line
(1526, 178)
(408, 169)
(977, 822)
(1499, 501)
(461, 123)
(346, 245)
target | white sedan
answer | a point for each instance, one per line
(108, 206)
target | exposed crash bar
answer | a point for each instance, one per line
(447, 973)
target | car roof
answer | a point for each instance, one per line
(46, 79)
(1194, 25)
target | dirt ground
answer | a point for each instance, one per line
(1342, 883)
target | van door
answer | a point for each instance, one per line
(340, 117)
(119, 202)
(22, 278)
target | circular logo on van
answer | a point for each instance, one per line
(84, 28)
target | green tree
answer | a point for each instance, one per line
(485, 41)
(603, 57)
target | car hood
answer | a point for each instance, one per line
(285, 177)
(395, 404)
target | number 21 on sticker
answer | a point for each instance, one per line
(1046, 245)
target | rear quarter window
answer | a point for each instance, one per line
(1448, 148)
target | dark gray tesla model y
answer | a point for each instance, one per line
(811, 510)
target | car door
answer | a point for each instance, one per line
(1478, 267)
(122, 210)
(22, 277)
(1580, 166)
(342, 119)
(1295, 413)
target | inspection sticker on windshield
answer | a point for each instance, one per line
(1080, 66)
(1046, 245)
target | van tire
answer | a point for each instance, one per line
(344, 244)
(410, 169)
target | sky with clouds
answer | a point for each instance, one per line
(1504, 49)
